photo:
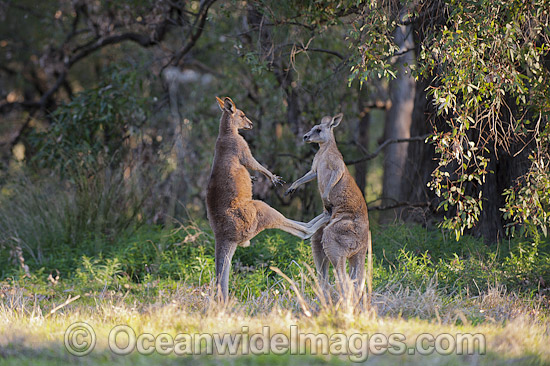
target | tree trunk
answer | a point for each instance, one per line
(398, 124)
(420, 159)
(363, 141)
(504, 170)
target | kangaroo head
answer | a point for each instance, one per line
(236, 117)
(322, 132)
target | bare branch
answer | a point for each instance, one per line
(194, 33)
(400, 204)
(383, 145)
(85, 50)
(302, 48)
(67, 302)
(284, 22)
(142, 40)
(9, 106)
(330, 52)
(401, 53)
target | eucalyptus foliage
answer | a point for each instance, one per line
(486, 63)
(90, 131)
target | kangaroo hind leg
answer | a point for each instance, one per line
(269, 218)
(224, 254)
(336, 250)
(321, 263)
(357, 269)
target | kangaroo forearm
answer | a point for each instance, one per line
(334, 178)
(264, 171)
(311, 175)
(253, 164)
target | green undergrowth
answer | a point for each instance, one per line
(149, 259)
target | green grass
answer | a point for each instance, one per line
(161, 281)
(64, 258)
(406, 254)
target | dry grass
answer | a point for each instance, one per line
(515, 329)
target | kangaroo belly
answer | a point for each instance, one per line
(228, 186)
(346, 196)
(234, 223)
(345, 235)
(348, 228)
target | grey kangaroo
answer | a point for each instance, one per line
(347, 234)
(234, 216)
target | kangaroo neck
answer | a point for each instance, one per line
(326, 146)
(225, 125)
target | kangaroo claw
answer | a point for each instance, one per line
(277, 180)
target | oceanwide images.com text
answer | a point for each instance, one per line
(80, 340)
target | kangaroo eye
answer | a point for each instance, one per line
(317, 129)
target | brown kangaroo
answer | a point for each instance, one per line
(347, 234)
(234, 216)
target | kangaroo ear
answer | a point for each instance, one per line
(228, 105)
(326, 121)
(336, 120)
(220, 103)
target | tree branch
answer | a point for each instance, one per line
(284, 22)
(382, 146)
(140, 39)
(9, 106)
(330, 52)
(84, 51)
(301, 47)
(194, 33)
(400, 204)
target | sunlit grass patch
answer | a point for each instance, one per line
(161, 281)
(514, 328)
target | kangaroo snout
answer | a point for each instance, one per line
(306, 137)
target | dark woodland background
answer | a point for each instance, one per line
(109, 118)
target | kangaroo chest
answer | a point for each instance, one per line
(326, 166)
